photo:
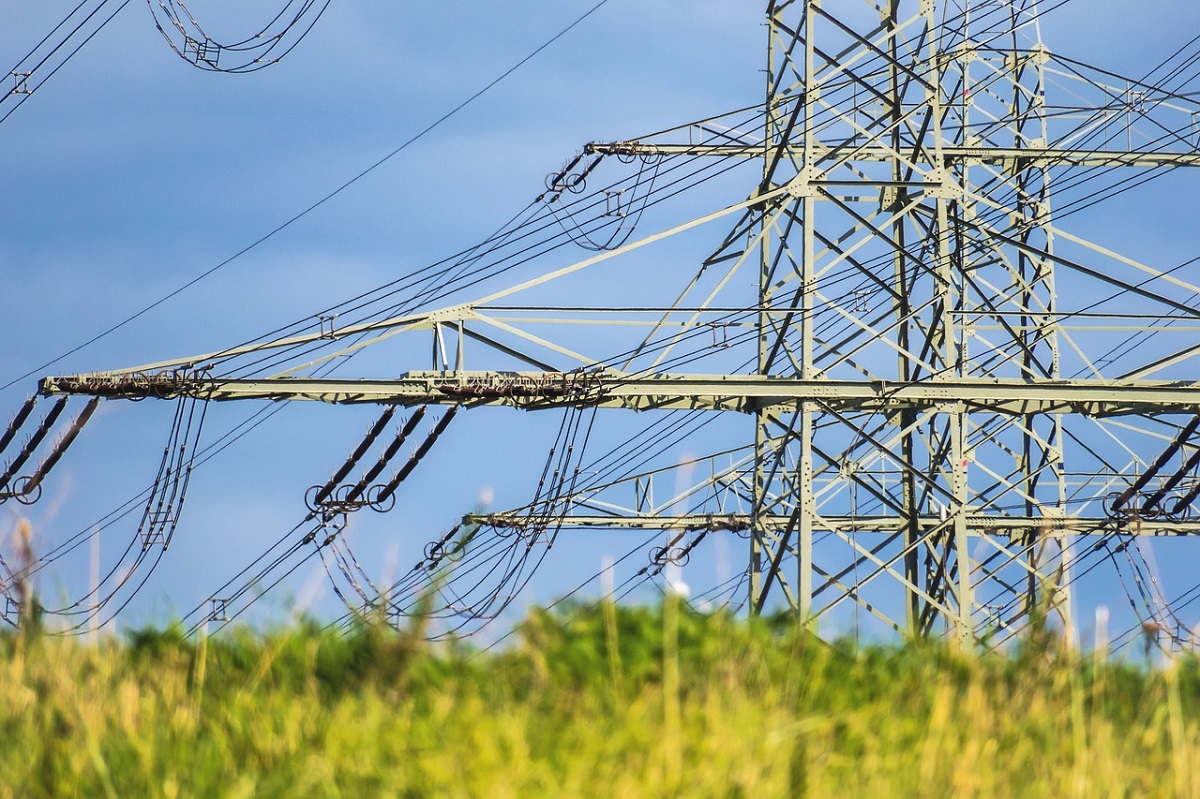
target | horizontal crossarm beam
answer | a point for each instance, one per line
(1006, 156)
(977, 524)
(603, 388)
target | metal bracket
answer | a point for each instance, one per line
(804, 184)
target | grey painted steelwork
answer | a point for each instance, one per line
(944, 419)
(746, 393)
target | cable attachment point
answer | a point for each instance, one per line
(557, 182)
(606, 219)
(347, 498)
(336, 497)
(671, 553)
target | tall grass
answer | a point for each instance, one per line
(604, 702)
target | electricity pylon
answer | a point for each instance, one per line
(949, 403)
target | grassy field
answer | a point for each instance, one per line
(604, 702)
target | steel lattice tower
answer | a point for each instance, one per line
(945, 422)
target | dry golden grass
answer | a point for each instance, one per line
(607, 703)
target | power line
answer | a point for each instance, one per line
(314, 206)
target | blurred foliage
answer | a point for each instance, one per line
(604, 700)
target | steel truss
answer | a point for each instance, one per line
(941, 423)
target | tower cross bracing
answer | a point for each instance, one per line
(942, 417)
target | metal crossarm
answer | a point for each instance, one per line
(745, 393)
(946, 405)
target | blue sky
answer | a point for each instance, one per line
(130, 172)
